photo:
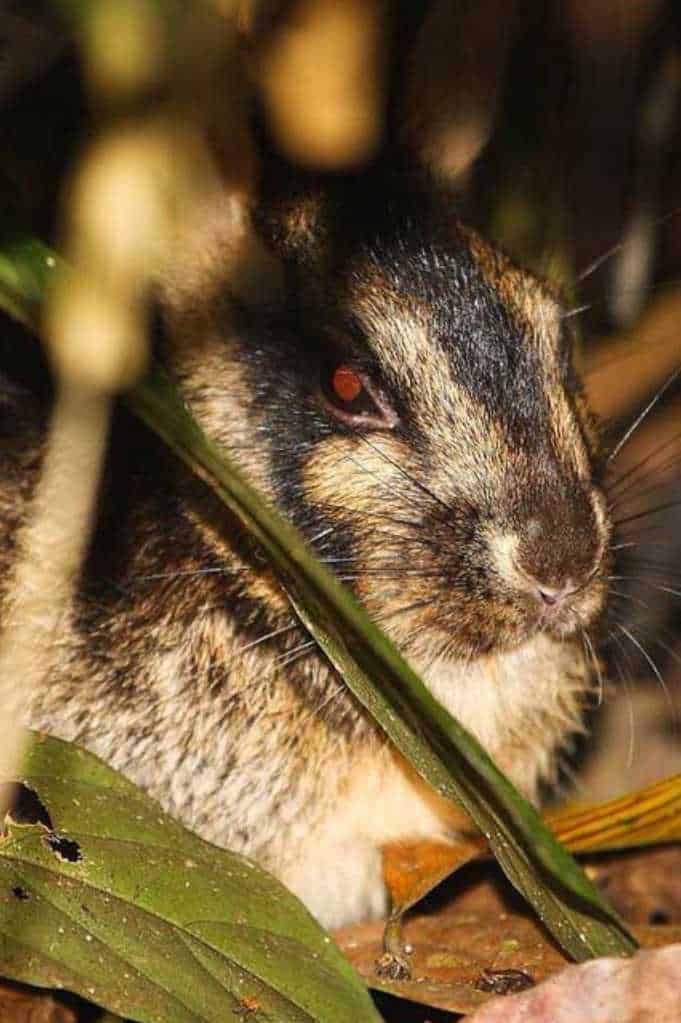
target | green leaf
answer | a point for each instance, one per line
(115, 900)
(25, 268)
(440, 749)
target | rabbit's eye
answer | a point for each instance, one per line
(346, 383)
(351, 397)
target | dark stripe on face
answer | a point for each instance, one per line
(493, 357)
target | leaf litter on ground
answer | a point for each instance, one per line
(476, 939)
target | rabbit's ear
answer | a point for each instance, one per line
(296, 226)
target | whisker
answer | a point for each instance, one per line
(615, 485)
(405, 542)
(645, 582)
(614, 249)
(324, 533)
(422, 602)
(676, 657)
(630, 596)
(398, 521)
(644, 532)
(671, 653)
(411, 479)
(631, 544)
(379, 516)
(264, 639)
(643, 415)
(316, 711)
(626, 350)
(396, 573)
(650, 511)
(577, 311)
(289, 656)
(649, 661)
(586, 640)
(626, 683)
(180, 574)
(382, 485)
(637, 496)
(656, 572)
(647, 483)
(657, 569)
(599, 261)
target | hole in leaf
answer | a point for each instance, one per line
(22, 805)
(65, 848)
(20, 893)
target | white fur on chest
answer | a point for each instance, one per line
(519, 705)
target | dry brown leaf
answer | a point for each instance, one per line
(412, 869)
(24, 1005)
(643, 886)
(453, 948)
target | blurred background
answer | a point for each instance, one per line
(556, 124)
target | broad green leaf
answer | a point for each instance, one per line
(106, 895)
(440, 749)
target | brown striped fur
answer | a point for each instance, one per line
(181, 663)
